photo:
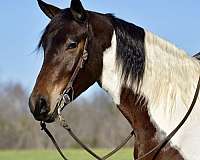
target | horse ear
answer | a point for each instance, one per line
(78, 11)
(48, 9)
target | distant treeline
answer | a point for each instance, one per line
(96, 121)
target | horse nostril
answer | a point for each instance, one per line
(41, 107)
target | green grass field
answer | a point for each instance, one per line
(72, 154)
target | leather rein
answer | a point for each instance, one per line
(68, 96)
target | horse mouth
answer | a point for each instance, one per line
(49, 118)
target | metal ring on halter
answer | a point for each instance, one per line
(67, 96)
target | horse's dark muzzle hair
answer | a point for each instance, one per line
(40, 108)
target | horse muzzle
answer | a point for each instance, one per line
(41, 109)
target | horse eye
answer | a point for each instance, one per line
(72, 45)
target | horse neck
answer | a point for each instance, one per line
(169, 82)
(140, 109)
(134, 109)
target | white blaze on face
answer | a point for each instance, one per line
(110, 78)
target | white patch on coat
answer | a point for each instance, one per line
(110, 78)
(169, 84)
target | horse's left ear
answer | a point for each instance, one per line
(78, 11)
(49, 10)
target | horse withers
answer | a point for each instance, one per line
(150, 80)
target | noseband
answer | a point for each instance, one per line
(68, 96)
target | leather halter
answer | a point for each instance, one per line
(66, 96)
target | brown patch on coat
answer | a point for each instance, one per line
(134, 108)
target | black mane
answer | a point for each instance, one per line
(130, 49)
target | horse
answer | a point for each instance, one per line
(150, 80)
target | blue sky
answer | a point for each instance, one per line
(22, 22)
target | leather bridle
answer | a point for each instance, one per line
(68, 96)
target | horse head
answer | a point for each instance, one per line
(63, 43)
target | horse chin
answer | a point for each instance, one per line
(51, 117)
(47, 119)
(50, 121)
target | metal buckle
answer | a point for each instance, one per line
(66, 99)
(68, 95)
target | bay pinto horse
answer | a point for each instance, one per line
(150, 80)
